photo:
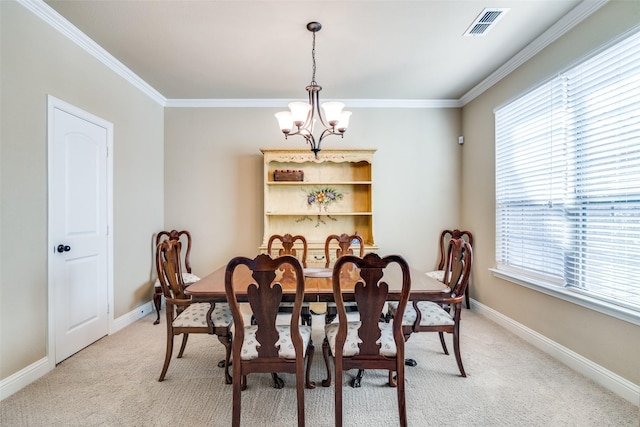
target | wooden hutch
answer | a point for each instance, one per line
(318, 197)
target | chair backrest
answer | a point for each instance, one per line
(168, 267)
(457, 270)
(264, 295)
(176, 235)
(288, 241)
(447, 235)
(370, 294)
(344, 246)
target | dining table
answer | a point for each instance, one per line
(318, 288)
(318, 285)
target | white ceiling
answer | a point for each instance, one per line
(367, 49)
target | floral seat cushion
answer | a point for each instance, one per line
(431, 314)
(351, 348)
(195, 315)
(437, 274)
(250, 345)
(187, 278)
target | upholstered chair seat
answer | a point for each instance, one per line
(195, 316)
(431, 314)
(187, 279)
(436, 274)
(286, 350)
(351, 347)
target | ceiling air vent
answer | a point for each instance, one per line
(485, 21)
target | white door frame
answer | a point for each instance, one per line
(52, 104)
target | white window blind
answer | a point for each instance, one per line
(568, 179)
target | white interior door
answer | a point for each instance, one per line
(78, 210)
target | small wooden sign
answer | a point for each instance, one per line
(288, 175)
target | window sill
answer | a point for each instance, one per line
(622, 313)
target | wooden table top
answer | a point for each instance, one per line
(318, 285)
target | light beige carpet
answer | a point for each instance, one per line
(509, 383)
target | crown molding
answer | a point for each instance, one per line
(564, 24)
(282, 103)
(57, 21)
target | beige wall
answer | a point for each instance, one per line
(36, 61)
(609, 342)
(213, 177)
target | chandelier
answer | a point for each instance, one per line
(303, 115)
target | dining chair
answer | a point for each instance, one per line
(187, 277)
(442, 314)
(368, 343)
(184, 316)
(342, 245)
(267, 347)
(445, 236)
(285, 246)
(287, 243)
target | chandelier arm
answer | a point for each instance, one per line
(313, 101)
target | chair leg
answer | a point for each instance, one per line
(310, 350)
(330, 315)
(456, 349)
(338, 391)
(157, 301)
(402, 406)
(185, 337)
(466, 298)
(444, 345)
(325, 353)
(226, 341)
(300, 386)
(237, 397)
(306, 316)
(167, 357)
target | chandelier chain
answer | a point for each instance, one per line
(313, 58)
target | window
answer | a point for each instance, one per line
(568, 180)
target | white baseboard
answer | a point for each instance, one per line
(23, 378)
(31, 373)
(611, 381)
(127, 319)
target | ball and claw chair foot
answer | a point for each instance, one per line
(356, 382)
(228, 379)
(278, 382)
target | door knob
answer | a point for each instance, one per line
(64, 248)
